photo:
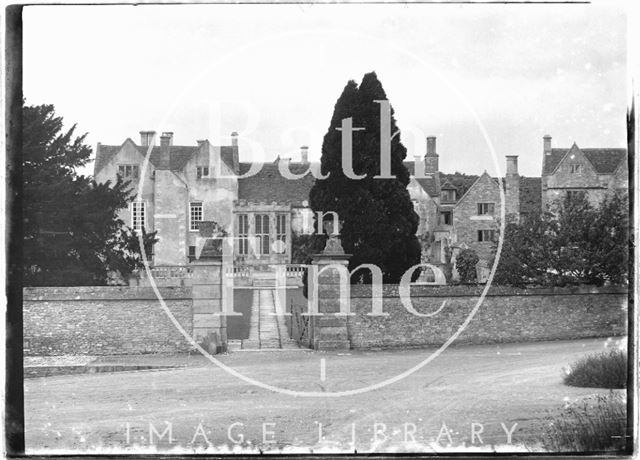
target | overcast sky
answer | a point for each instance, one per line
(273, 73)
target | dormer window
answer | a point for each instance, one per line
(128, 171)
(448, 196)
(202, 171)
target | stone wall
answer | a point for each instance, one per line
(506, 315)
(104, 320)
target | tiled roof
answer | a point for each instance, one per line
(461, 182)
(228, 153)
(269, 185)
(428, 184)
(604, 161)
(179, 155)
(104, 154)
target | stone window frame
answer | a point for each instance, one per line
(202, 171)
(448, 196)
(194, 205)
(243, 234)
(575, 168)
(490, 208)
(441, 219)
(281, 227)
(129, 171)
(488, 231)
(135, 219)
(260, 234)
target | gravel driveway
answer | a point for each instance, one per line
(481, 389)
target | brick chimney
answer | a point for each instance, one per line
(512, 188)
(304, 154)
(546, 142)
(431, 158)
(165, 151)
(147, 138)
(234, 139)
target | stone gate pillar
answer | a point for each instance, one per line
(330, 331)
(209, 327)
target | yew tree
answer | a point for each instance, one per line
(378, 220)
(71, 231)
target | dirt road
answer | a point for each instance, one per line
(485, 390)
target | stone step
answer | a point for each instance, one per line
(233, 345)
(269, 344)
(250, 344)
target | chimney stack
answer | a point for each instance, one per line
(431, 158)
(234, 139)
(165, 151)
(512, 188)
(147, 138)
(166, 137)
(304, 154)
(512, 165)
(431, 146)
(547, 144)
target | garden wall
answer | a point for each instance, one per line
(99, 320)
(505, 315)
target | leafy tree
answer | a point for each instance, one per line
(576, 243)
(72, 235)
(466, 262)
(379, 223)
(304, 246)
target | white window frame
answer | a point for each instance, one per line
(192, 205)
(143, 205)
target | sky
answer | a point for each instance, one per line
(479, 77)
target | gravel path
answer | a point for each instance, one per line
(489, 386)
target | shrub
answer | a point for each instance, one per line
(602, 370)
(597, 424)
(466, 262)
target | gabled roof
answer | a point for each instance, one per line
(179, 155)
(428, 184)
(603, 160)
(269, 185)
(493, 179)
(530, 195)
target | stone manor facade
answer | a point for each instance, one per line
(182, 187)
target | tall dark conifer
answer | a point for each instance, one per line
(379, 223)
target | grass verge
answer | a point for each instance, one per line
(596, 424)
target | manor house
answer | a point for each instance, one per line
(181, 187)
